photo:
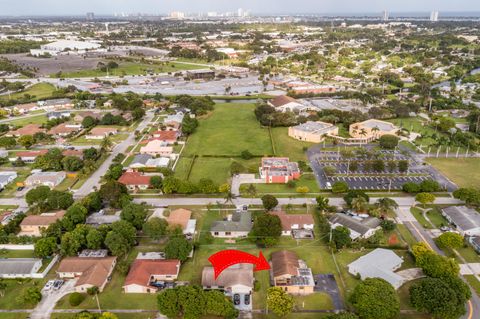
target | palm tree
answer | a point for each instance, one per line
(106, 143)
(375, 131)
(359, 204)
(229, 197)
(3, 286)
(386, 204)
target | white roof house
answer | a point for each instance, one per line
(466, 220)
(380, 263)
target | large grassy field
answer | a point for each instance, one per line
(287, 146)
(131, 68)
(230, 129)
(462, 171)
(37, 91)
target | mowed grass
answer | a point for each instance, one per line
(227, 131)
(462, 171)
(37, 119)
(37, 91)
(133, 68)
(288, 146)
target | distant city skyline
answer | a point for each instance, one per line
(108, 7)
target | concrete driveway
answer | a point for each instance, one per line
(50, 298)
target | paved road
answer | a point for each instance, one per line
(157, 201)
(45, 307)
(94, 180)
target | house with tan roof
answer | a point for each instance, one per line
(80, 116)
(295, 223)
(99, 133)
(28, 156)
(284, 103)
(150, 275)
(29, 129)
(157, 148)
(25, 108)
(168, 136)
(182, 217)
(32, 225)
(89, 271)
(135, 180)
(236, 279)
(64, 129)
(291, 274)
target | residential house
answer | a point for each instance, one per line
(29, 129)
(237, 225)
(19, 267)
(100, 218)
(58, 115)
(296, 224)
(174, 120)
(99, 133)
(135, 181)
(291, 274)
(89, 271)
(157, 148)
(182, 217)
(379, 263)
(473, 240)
(50, 179)
(466, 220)
(28, 156)
(32, 225)
(76, 153)
(80, 116)
(56, 104)
(64, 129)
(372, 129)
(6, 178)
(6, 217)
(25, 108)
(313, 132)
(359, 227)
(167, 136)
(278, 170)
(148, 161)
(235, 280)
(149, 275)
(285, 103)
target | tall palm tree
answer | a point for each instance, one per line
(106, 143)
(359, 204)
(375, 131)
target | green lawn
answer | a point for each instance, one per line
(472, 281)
(16, 254)
(11, 188)
(287, 146)
(230, 129)
(307, 180)
(133, 68)
(66, 184)
(462, 171)
(417, 213)
(37, 119)
(436, 217)
(406, 234)
(16, 288)
(38, 91)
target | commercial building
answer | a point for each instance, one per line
(278, 170)
(66, 47)
(313, 132)
(284, 103)
(372, 129)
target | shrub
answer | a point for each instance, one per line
(340, 187)
(411, 187)
(75, 299)
(388, 141)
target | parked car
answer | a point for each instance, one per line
(49, 285)
(246, 299)
(236, 299)
(58, 284)
(21, 188)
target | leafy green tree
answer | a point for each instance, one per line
(339, 187)
(92, 202)
(388, 142)
(403, 166)
(246, 155)
(266, 230)
(280, 302)
(75, 299)
(217, 304)
(269, 202)
(450, 240)
(155, 228)
(437, 266)
(440, 298)
(91, 154)
(341, 237)
(343, 315)
(26, 141)
(45, 247)
(31, 295)
(378, 165)
(411, 187)
(88, 122)
(75, 215)
(37, 195)
(207, 186)
(59, 200)
(425, 198)
(322, 203)
(51, 161)
(355, 193)
(7, 142)
(121, 238)
(375, 298)
(112, 192)
(135, 214)
(94, 239)
(178, 248)
(72, 163)
(470, 195)
(168, 303)
(156, 182)
(430, 185)
(189, 125)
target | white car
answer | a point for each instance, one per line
(328, 185)
(49, 285)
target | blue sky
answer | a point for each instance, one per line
(55, 7)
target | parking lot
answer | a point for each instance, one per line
(376, 183)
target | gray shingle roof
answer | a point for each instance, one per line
(463, 217)
(18, 266)
(240, 222)
(360, 227)
(141, 159)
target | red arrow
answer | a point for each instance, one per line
(226, 258)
